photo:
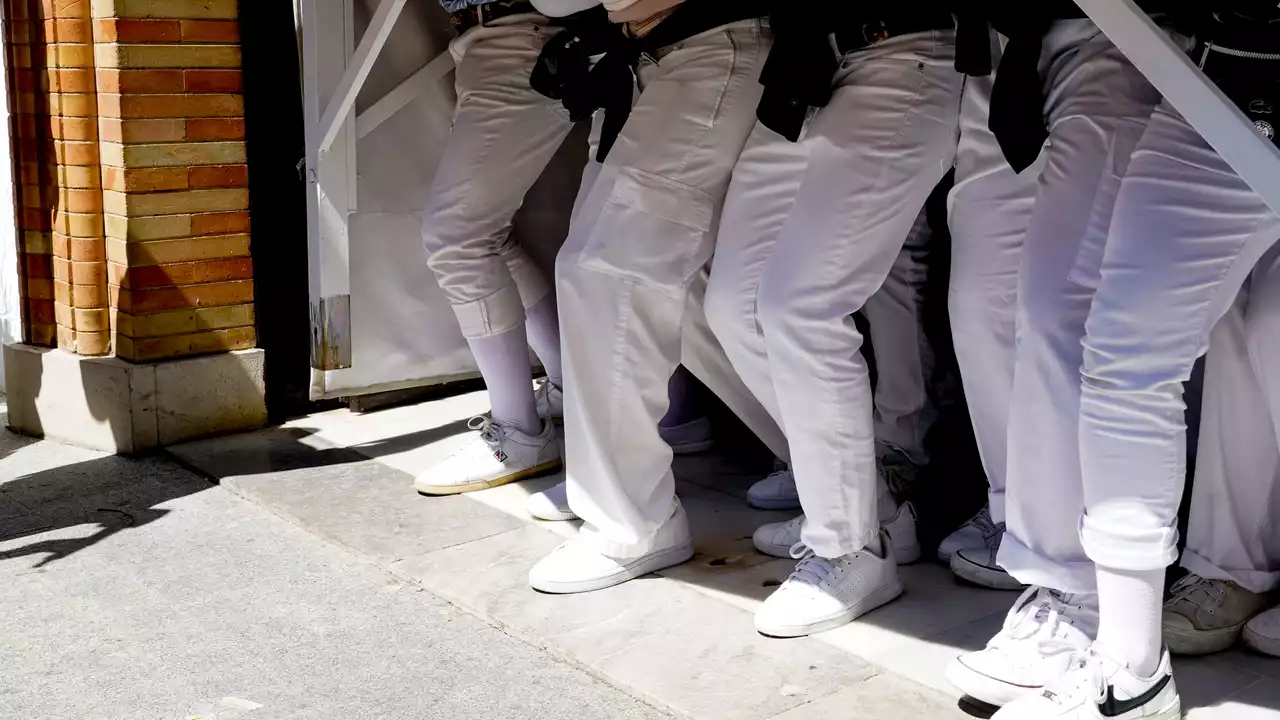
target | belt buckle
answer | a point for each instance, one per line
(874, 32)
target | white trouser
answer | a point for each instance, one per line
(809, 233)
(635, 252)
(503, 136)
(989, 209)
(1098, 105)
(1234, 532)
(1186, 235)
(904, 411)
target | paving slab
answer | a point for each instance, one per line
(216, 609)
(341, 495)
(674, 646)
(678, 638)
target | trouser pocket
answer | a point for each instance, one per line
(653, 231)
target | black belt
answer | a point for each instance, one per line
(464, 20)
(565, 72)
(857, 36)
(801, 67)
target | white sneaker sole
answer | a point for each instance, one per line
(425, 488)
(1201, 642)
(772, 550)
(994, 579)
(660, 560)
(882, 596)
(985, 688)
(1265, 645)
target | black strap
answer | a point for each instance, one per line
(564, 70)
(1018, 102)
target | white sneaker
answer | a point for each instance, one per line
(776, 492)
(777, 539)
(548, 397)
(1042, 634)
(1263, 633)
(973, 534)
(551, 504)
(1207, 616)
(1098, 687)
(980, 566)
(690, 438)
(497, 455)
(577, 567)
(823, 594)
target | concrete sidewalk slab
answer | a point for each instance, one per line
(683, 639)
(137, 589)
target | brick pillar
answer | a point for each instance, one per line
(56, 147)
(174, 177)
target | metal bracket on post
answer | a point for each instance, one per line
(1208, 110)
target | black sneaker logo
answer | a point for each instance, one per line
(1114, 707)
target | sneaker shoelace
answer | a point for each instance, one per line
(1201, 592)
(1086, 677)
(811, 570)
(1039, 613)
(991, 530)
(490, 431)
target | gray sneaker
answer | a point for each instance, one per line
(1207, 616)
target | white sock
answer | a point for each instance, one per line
(543, 324)
(1129, 605)
(504, 363)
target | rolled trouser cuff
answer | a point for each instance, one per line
(495, 314)
(1031, 568)
(1119, 540)
(1256, 581)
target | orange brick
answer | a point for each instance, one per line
(220, 223)
(81, 296)
(212, 31)
(41, 312)
(137, 31)
(199, 130)
(188, 273)
(140, 81)
(62, 128)
(70, 80)
(79, 249)
(38, 266)
(79, 201)
(144, 179)
(70, 152)
(41, 334)
(141, 131)
(65, 9)
(24, 80)
(234, 292)
(39, 288)
(170, 106)
(68, 31)
(219, 176)
(174, 346)
(217, 81)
